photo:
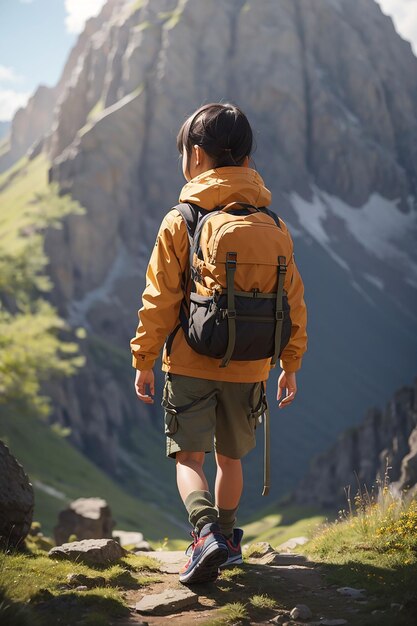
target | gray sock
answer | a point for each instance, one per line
(227, 520)
(201, 509)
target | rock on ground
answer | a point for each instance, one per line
(89, 551)
(86, 518)
(351, 592)
(16, 500)
(301, 611)
(292, 543)
(128, 538)
(168, 601)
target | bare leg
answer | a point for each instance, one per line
(229, 482)
(190, 475)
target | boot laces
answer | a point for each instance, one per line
(195, 539)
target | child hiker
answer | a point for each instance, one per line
(224, 295)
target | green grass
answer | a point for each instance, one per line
(231, 613)
(135, 6)
(51, 460)
(262, 601)
(372, 547)
(281, 522)
(4, 145)
(96, 110)
(18, 187)
(34, 589)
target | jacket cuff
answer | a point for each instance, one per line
(142, 363)
(291, 366)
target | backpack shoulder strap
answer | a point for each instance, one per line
(191, 214)
(271, 214)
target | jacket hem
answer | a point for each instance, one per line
(222, 375)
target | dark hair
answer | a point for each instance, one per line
(222, 130)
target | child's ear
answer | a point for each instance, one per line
(197, 154)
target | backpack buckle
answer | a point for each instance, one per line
(279, 315)
(282, 264)
(231, 259)
(231, 313)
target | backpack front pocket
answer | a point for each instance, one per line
(255, 323)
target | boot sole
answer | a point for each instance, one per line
(234, 560)
(207, 569)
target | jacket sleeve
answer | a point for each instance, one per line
(291, 356)
(162, 296)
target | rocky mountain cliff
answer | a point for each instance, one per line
(361, 454)
(331, 91)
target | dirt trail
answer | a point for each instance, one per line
(290, 580)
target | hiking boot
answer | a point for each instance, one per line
(207, 552)
(234, 548)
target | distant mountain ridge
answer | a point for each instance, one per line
(331, 91)
(386, 440)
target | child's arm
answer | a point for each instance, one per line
(286, 382)
(163, 293)
(143, 380)
(291, 356)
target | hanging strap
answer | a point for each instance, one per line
(266, 416)
(231, 260)
(279, 313)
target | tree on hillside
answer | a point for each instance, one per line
(35, 343)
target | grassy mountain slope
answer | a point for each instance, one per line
(60, 473)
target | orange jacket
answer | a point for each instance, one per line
(163, 294)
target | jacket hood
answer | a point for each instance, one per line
(226, 184)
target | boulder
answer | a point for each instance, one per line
(89, 551)
(86, 518)
(16, 500)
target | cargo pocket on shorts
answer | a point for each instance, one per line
(172, 411)
(258, 404)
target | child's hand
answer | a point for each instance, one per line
(143, 379)
(286, 381)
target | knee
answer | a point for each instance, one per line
(190, 458)
(226, 461)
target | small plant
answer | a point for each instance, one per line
(230, 573)
(262, 601)
(234, 613)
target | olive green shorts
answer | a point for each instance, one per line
(200, 412)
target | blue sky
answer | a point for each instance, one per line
(37, 35)
(35, 39)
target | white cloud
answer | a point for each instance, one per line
(78, 11)
(8, 74)
(404, 15)
(10, 101)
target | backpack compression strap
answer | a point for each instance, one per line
(279, 313)
(231, 260)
